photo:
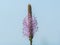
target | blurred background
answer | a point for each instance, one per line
(12, 13)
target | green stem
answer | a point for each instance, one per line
(30, 41)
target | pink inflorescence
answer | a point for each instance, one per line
(26, 25)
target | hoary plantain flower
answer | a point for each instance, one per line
(29, 24)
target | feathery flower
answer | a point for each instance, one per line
(29, 24)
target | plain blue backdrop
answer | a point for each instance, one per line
(12, 13)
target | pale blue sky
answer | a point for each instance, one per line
(12, 13)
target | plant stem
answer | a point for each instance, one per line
(30, 41)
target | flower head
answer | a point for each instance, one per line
(29, 24)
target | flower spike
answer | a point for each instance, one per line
(29, 24)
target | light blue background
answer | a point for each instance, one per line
(12, 13)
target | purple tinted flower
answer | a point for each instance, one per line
(29, 24)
